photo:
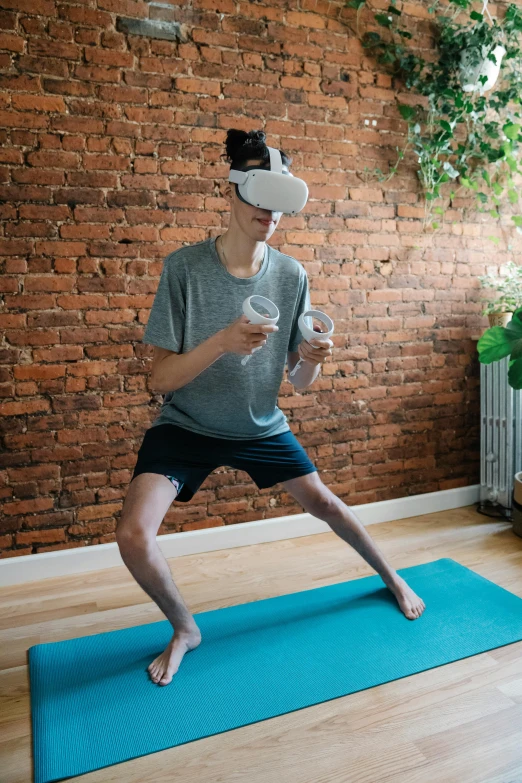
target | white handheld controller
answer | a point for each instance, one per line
(256, 318)
(306, 327)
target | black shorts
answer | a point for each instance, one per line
(187, 457)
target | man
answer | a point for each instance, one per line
(217, 411)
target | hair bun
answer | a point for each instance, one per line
(237, 140)
(242, 147)
(256, 137)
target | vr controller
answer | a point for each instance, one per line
(271, 316)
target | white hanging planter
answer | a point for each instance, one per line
(470, 74)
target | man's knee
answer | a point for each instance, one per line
(321, 502)
(132, 535)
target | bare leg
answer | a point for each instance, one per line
(148, 500)
(343, 521)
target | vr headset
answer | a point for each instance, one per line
(270, 189)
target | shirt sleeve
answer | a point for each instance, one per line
(303, 304)
(167, 316)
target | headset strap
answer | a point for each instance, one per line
(275, 160)
(239, 177)
(276, 164)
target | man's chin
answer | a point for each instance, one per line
(267, 230)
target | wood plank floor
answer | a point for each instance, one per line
(459, 723)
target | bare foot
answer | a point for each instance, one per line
(411, 605)
(165, 666)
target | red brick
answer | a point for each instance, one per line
(40, 536)
(109, 162)
(200, 86)
(43, 48)
(42, 103)
(84, 231)
(11, 119)
(43, 7)
(13, 43)
(85, 16)
(20, 83)
(52, 159)
(14, 247)
(305, 20)
(109, 57)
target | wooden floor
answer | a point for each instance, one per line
(459, 723)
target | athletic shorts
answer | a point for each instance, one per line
(187, 457)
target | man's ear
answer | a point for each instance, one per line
(227, 190)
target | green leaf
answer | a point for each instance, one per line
(497, 189)
(482, 197)
(511, 130)
(499, 341)
(438, 210)
(371, 39)
(495, 344)
(383, 20)
(392, 10)
(447, 127)
(513, 196)
(406, 112)
(476, 16)
(485, 176)
(355, 4)
(517, 220)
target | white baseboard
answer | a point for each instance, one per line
(64, 562)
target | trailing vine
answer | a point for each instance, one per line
(466, 135)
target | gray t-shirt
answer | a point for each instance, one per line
(195, 298)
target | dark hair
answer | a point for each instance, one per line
(242, 146)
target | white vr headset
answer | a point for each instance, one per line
(270, 189)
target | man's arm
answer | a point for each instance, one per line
(171, 370)
(183, 367)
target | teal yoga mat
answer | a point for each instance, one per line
(93, 704)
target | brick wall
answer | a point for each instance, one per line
(110, 158)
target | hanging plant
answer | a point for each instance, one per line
(459, 134)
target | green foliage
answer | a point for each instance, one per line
(497, 342)
(465, 138)
(509, 289)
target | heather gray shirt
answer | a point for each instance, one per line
(195, 298)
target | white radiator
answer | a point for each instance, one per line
(500, 436)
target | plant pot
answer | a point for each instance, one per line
(499, 319)
(470, 74)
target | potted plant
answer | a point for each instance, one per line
(504, 337)
(479, 68)
(463, 139)
(497, 342)
(482, 50)
(500, 310)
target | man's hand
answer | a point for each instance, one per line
(315, 353)
(244, 337)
